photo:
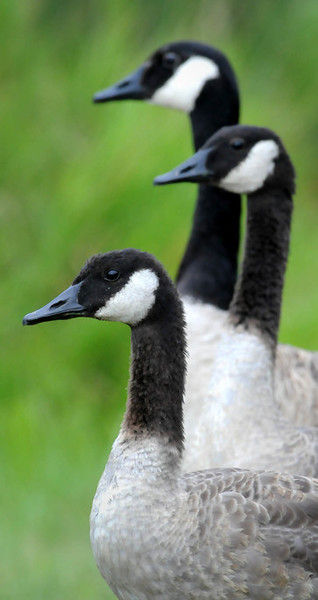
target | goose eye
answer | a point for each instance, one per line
(112, 275)
(237, 143)
(170, 60)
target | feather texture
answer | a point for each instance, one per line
(207, 535)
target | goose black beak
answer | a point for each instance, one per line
(130, 88)
(194, 169)
(64, 306)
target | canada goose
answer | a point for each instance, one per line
(240, 422)
(156, 533)
(199, 80)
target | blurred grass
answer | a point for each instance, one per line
(76, 179)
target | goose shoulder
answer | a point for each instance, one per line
(272, 517)
(295, 381)
(188, 540)
(296, 384)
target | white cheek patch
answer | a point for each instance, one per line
(133, 302)
(249, 175)
(185, 85)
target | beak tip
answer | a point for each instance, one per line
(160, 180)
(98, 98)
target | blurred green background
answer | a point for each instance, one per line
(76, 179)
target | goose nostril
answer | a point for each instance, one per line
(123, 84)
(58, 304)
(186, 169)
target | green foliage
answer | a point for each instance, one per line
(76, 179)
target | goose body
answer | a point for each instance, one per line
(208, 535)
(240, 423)
(158, 534)
(199, 80)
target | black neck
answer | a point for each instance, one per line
(258, 294)
(154, 406)
(217, 106)
(208, 269)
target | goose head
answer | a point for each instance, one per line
(180, 75)
(241, 159)
(129, 286)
